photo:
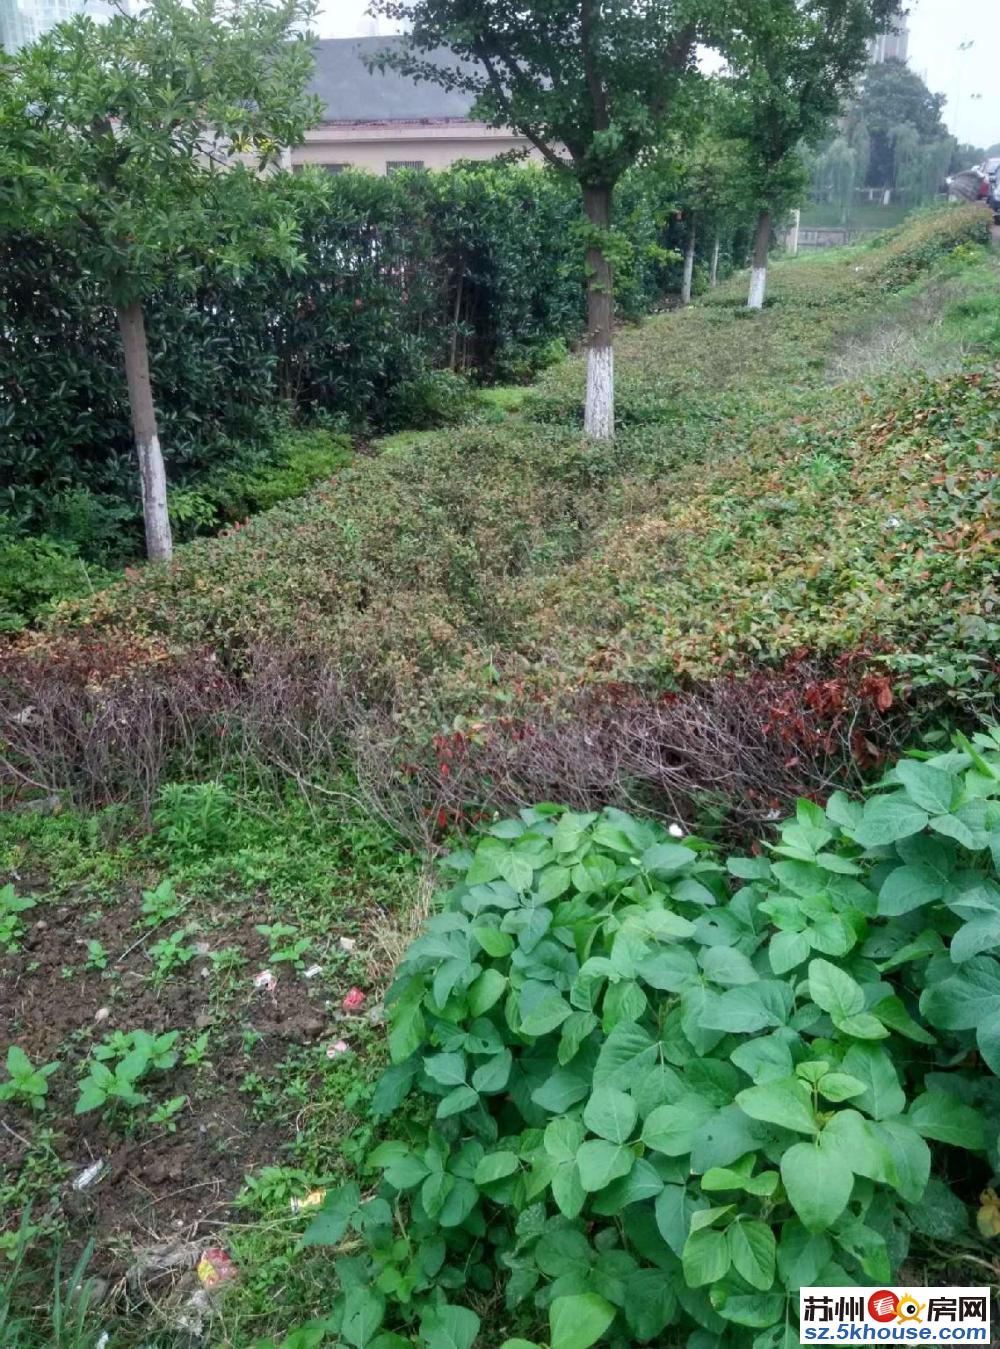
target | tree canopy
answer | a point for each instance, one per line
(137, 144)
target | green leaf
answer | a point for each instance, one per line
(727, 966)
(578, 1321)
(785, 1101)
(864, 1026)
(786, 950)
(882, 1096)
(627, 1053)
(674, 1210)
(885, 819)
(753, 1251)
(667, 859)
(447, 1327)
(706, 1257)
(749, 1008)
(650, 1303)
(462, 1098)
(611, 1114)
(909, 1158)
(938, 1115)
(330, 1224)
(496, 1166)
(909, 887)
(407, 1029)
(516, 870)
(494, 942)
(493, 1075)
(542, 1009)
(834, 990)
(930, 788)
(402, 1168)
(747, 1309)
(839, 1087)
(363, 1313)
(818, 1185)
(563, 1250)
(600, 1162)
(672, 1129)
(448, 1069)
(485, 990)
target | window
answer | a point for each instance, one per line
(397, 165)
(336, 168)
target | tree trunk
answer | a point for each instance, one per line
(758, 271)
(713, 279)
(159, 545)
(599, 411)
(688, 265)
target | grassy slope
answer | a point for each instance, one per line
(749, 507)
(745, 509)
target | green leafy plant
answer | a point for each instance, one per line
(160, 905)
(119, 1063)
(26, 1083)
(282, 951)
(11, 927)
(192, 817)
(97, 955)
(667, 1091)
(195, 1055)
(171, 954)
(165, 1114)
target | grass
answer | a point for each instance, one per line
(788, 480)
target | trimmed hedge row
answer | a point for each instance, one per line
(478, 269)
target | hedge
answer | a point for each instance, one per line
(478, 269)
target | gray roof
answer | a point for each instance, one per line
(352, 93)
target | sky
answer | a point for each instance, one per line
(970, 79)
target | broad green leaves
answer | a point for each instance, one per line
(817, 1183)
(675, 1113)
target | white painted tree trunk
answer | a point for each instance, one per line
(758, 287)
(599, 415)
(713, 279)
(599, 408)
(758, 272)
(688, 266)
(153, 476)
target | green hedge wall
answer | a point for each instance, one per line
(478, 269)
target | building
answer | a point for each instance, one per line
(893, 45)
(384, 121)
(21, 21)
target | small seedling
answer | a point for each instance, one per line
(11, 927)
(160, 905)
(133, 1055)
(26, 1083)
(166, 1114)
(196, 1054)
(282, 951)
(170, 954)
(97, 956)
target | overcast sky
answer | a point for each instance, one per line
(970, 79)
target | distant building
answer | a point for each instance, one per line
(383, 121)
(21, 21)
(893, 45)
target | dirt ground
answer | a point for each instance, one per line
(156, 1183)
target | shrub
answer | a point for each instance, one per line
(658, 1090)
(36, 573)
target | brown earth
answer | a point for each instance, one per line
(156, 1184)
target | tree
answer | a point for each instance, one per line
(842, 168)
(892, 94)
(138, 143)
(590, 84)
(793, 61)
